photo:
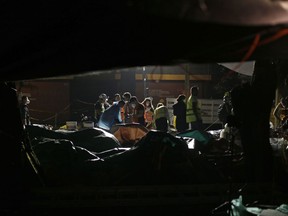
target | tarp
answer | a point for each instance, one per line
(201, 136)
(245, 68)
(95, 140)
(129, 134)
(155, 159)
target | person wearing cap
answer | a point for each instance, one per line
(179, 111)
(24, 111)
(101, 105)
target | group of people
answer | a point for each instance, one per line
(188, 114)
(280, 112)
(128, 109)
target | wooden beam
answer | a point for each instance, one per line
(174, 77)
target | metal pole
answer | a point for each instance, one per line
(144, 82)
(55, 120)
(277, 99)
(187, 82)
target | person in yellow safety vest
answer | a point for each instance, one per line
(193, 110)
(161, 118)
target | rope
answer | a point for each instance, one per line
(40, 111)
(84, 102)
(276, 36)
(34, 119)
(49, 118)
(53, 116)
(211, 124)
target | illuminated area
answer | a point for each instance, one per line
(57, 100)
(70, 143)
(144, 107)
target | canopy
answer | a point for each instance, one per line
(245, 68)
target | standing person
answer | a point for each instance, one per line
(161, 118)
(179, 111)
(137, 111)
(111, 116)
(127, 108)
(193, 110)
(281, 110)
(24, 111)
(149, 112)
(100, 106)
(117, 98)
(225, 108)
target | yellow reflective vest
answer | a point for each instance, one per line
(190, 115)
(160, 112)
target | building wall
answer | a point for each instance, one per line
(160, 90)
(49, 100)
(55, 101)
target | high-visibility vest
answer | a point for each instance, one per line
(190, 115)
(160, 112)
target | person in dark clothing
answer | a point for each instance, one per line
(225, 109)
(127, 109)
(111, 116)
(117, 98)
(24, 111)
(100, 106)
(179, 111)
(138, 111)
